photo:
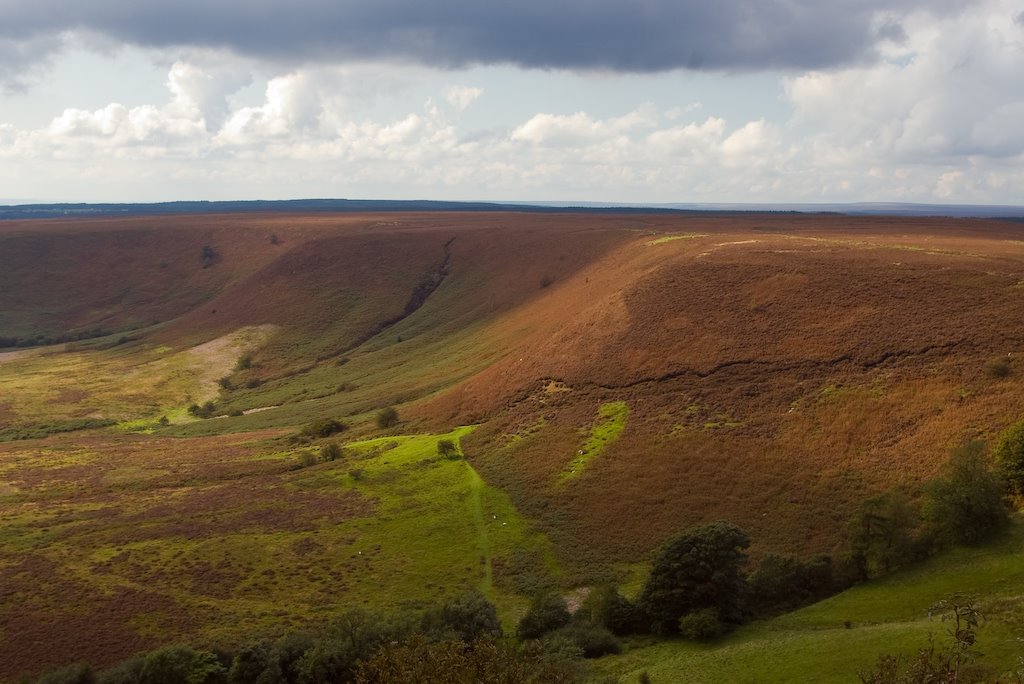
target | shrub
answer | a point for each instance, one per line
(593, 641)
(274, 239)
(225, 383)
(323, 428)
(547, 612)
(208, 255)
(305, 458)
(164, 420)
(202, 411)
(244, 362)
(330, 452)
(999, 369)
(702, 625)
(387, 418)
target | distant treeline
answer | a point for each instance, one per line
(26, 211)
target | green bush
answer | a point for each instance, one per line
(467, 617)
(702, 625)
(387, 417)
(1009, 457)
(180, 665)
(547, 612)
(325, 427)
(593, 641)
(330, 452)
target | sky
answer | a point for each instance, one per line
(632, 101)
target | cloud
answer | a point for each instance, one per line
(461, 97)
(953, 91)
(616, 35)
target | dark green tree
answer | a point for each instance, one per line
(784, 583)
(1009, 457)
(881, 534)
(447, 448)
(466, 617)
(180, 665)
(547, 612)
(605, 606)
(701, 568)
(249, 663)
(966, 503)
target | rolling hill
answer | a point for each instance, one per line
(627, 376)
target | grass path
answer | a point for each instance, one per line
(476, 485)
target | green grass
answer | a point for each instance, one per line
(890, 615)
(431, 528)
(610, 423)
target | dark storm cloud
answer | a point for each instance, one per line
(618, 35)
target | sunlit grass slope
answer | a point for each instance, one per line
(113, 544)
(833, 640)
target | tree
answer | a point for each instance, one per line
(607, 607)
(701, 568)
(330, 452)
(180, 665)
(209, 256)
(466, 617)
(387, 417)
(966, 502)
(447, 448)
(880, 534)
(784, 583)
(1009, 457)
(547, 612)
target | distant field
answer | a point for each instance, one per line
(627, 376)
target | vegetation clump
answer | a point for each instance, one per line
(701, 569)
(204, 410)
(1009, 457)
(387, 418)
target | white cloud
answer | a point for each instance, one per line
(461, 97)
